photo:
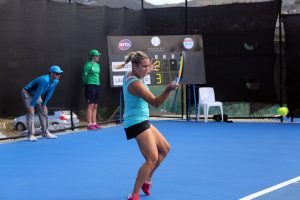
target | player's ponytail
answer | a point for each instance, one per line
(134, 57)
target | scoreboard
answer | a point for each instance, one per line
(164, 49)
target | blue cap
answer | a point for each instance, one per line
(55, 69)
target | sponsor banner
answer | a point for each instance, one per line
(188, 43)
(116, 67)
(124, 44)
(118, 80)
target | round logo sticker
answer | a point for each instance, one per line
(155, 41)
(188, 43)
(124, 44)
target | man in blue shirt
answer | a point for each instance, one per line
(32, 97)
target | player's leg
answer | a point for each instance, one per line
(91, 116)
(29, 115)
(92, 99)
(94, 117)
(95, 108)
(88, 92)
(148, 148)
(44, 120)
(43, 115)
(94, 113)
(89, 111)
(163, 147)
(30, 123)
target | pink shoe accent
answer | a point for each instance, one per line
(133, 197)
(146, 187)
(97, 126)
(91, 127)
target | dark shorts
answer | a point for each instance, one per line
(92, 93)
(134, 130)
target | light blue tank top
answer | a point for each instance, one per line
(136, 108)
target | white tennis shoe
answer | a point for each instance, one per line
(49, 135)
(32, 138)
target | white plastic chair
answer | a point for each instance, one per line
(207, 100)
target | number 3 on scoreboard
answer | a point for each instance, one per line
(158, 78)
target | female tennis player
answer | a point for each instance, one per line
(152, 144)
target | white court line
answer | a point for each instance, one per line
(270, 189)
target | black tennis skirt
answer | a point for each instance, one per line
(134, 130)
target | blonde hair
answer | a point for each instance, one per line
(135, 57)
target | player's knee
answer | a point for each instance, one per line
(151, 161)
(166, 150)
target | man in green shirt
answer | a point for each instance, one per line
(91, 82)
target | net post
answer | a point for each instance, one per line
(72, 120)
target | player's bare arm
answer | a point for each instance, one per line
(138, 89)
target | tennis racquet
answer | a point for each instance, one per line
(180, 68)
(179, 76)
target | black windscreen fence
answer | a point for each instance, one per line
(38, 34)
(239, 49)
(164, 21)
(292, 54)
(238, 46)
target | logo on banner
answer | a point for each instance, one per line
(124, 44)
(188, 43)
(155, 41)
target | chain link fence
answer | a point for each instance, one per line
(175, 106)
(59, 120)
